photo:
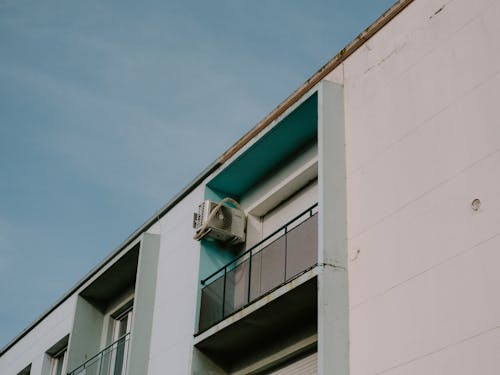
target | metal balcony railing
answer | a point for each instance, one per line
(283, 255)
(112, 360)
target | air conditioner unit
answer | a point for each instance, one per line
(216, 221)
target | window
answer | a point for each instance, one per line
(58, 362)
(25, 371)
(303, 365)
(121, 326)
(55, 359)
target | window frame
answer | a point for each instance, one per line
(118, 336)
(61, 358)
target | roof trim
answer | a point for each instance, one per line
(338, 59)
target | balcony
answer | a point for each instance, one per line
(282, 256)
(112, 360)
(249, 306)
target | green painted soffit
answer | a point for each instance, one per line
(290, 135)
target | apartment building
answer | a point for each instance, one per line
(354, 230)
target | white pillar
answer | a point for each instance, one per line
(333, 299)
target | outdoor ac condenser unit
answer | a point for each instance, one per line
(217, 221)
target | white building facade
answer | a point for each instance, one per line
(372, 229)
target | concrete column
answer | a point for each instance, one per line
(333, 301)
(145, 291)
(86, 334)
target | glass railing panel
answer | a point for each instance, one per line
(92, 369)
(236, 293)
(119, 359)
(110, 361)
(272, 265)
(211, 303)
(302, 247)
(106, 362)
(255, 280)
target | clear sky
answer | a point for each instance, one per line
(108, 108)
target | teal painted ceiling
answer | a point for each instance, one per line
(289, 136)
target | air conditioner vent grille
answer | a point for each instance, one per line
(216, 221)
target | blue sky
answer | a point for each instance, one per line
(106, 108)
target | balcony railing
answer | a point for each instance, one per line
(283, 255)
(112, 360)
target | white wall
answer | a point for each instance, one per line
(176, 290)
(422, 141)
(296, 204)
(32, 347)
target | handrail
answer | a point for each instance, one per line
(283, 227)
(125, 337)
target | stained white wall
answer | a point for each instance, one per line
(422, 121)
(32, 347)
